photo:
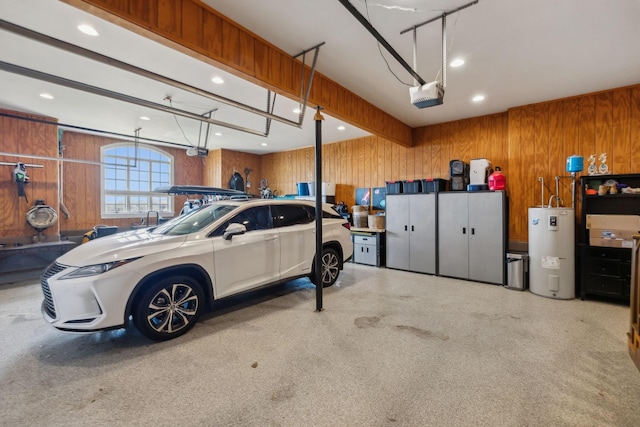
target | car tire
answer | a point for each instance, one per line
(168, 308)
(330, 268)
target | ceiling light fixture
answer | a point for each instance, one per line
(46, 96)
(217, 80)
(478, 98)
(457, 62)
(341, 128)
(296, 111)
(264, 144)
(88, 30)
(144, 118)
(218, 134)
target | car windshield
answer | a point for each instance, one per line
(195, 220)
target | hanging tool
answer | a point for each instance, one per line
(21, 178)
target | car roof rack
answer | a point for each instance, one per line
(202, 190)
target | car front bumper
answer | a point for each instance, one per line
(87, 303)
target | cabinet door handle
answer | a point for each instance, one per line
(405, 228)
(362, 249)
(412, 228)
(473, 230)
(464, 230)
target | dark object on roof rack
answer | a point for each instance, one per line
(200, 189)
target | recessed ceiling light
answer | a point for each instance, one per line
(88, 30)
(46, 96)
(217, 80)
(264, 144)
(457, 62)
(341, 128)
(296, 110)
(478, 98)
(144, 118)
(218, 134)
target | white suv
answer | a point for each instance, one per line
(165, 277)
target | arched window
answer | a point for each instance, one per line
(129, 174)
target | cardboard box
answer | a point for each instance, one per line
(611, 237)
(617, 222)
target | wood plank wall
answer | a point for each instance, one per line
(527, 142)
(220, 165)
(231, 161)
(542, 136)
(213, 169)
(371, 161)
(81, 182)
(198, 30)
(27, 138)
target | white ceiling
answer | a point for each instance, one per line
(516, 51)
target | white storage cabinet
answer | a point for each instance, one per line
(472, 235)
(411, 232)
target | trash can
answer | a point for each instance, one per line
(517, 271)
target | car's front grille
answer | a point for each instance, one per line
(49, 306)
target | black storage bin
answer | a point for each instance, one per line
(434, 185)
(459, 175)
(394, 187)
(412, 186)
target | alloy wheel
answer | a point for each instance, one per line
(330, 267)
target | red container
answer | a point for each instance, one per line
(497, 181)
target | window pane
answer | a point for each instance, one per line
(121, 185)
(134, 171)
(144, 153)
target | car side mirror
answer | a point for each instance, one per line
(233, 230)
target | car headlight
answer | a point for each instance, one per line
(93, 270)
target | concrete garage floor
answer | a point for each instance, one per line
(392, 348)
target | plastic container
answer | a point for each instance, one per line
(497, 180)
(412, 186)
(303, 188)
(575, 163)
(328, 188)
(312, 188)
(477, 187)
(375, 221)
(361, 219)
(394, 187)
(434, 185)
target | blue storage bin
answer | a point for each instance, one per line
(412, 186)
(434, 185)
(394, 187)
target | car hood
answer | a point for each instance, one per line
(120, 246)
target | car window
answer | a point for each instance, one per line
(286, 215)
(255, 218)
(325, 214)
(195, 220)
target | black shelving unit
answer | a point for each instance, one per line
(606, 271)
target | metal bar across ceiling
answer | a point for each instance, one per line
(28, 72)
(68, 47)
(381, 40)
